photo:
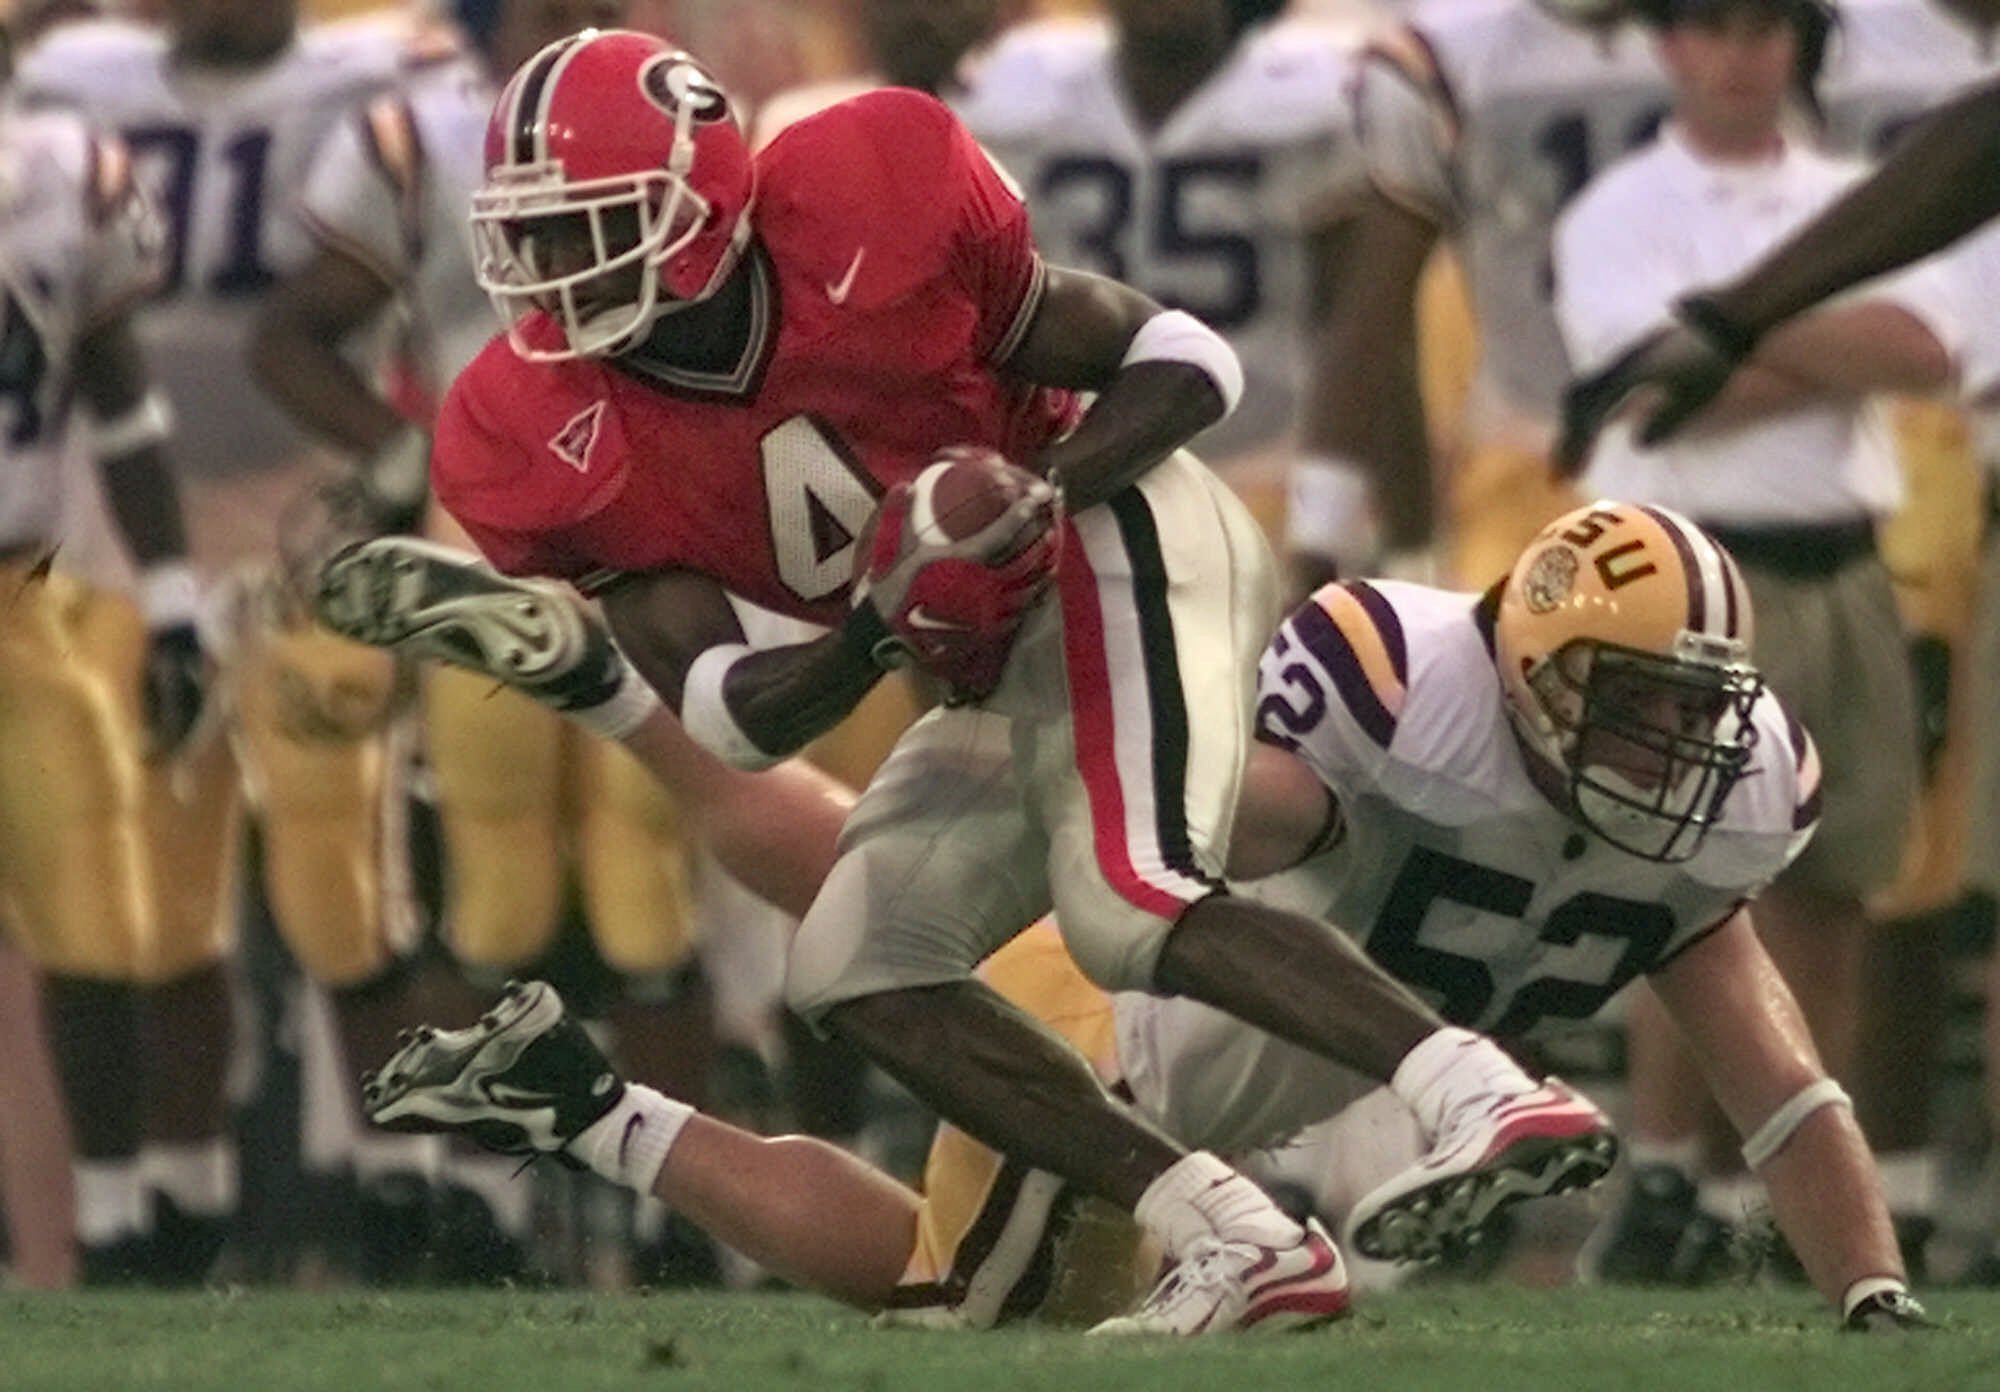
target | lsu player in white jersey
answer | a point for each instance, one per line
(1478, 120)
(522, 795)
(222, 107)
(79, 248)
(1200, 154)
(1519, 801)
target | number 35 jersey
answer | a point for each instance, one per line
(222, 155)
(1455, 872)
(1214, 212)
(78, 245)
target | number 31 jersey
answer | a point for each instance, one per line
(1455, 872)
(222, 155)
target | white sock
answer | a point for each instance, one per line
(629, 1143)
(110, 1204)
(199, 1176)
(1199, 1196)
(1448, 1067)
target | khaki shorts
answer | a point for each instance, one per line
(1834, 650)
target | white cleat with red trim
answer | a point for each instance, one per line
(1490, 1152)
(1220, 1286)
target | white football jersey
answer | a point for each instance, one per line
(393, 188)
(1891, 61)
(1213, 212)
(223, 155)
(1455, 872)
(78, 244)
(1488, 116)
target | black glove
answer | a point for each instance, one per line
(1685, 366)
(1930, 661)
(1886, 1312)
(175, 687)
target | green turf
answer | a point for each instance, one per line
(1473, 1339)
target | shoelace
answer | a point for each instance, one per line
(1209, 1264)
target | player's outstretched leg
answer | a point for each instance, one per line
(1491, 1151)
(1222, 1285)
(438, 602)
(525, 1079)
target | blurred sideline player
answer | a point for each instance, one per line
(1478, 120)
(1518, 849)
(222, 109)
(1200, 152)
(526, 800)
(82, 249)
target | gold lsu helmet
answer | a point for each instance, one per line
(1623, 640)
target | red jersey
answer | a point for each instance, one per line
(892, 268)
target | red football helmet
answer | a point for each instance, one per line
(618, 188)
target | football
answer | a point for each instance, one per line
(963, 490)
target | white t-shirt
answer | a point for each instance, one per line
(1665, 222)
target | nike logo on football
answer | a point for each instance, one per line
(836, 290)
(920, 617)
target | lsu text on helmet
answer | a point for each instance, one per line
(1623, 641)
(618, 188)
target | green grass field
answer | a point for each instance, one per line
(1466, 1339)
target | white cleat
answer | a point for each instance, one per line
(524, 1080)
(1491, 1152)
(438, 602)
(1220, 1286)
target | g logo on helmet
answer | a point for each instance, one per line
(674, 81)
(1550, 578)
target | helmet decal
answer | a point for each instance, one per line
(1550, 578)
(674, 82)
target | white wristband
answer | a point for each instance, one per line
(168, 594)
(624, 710)
(1330, 511)
(1777, 1129)
(706, 715)
(149, 422)
(1174, 335)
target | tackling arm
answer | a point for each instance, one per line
(1746, 1033)
(1284, 814)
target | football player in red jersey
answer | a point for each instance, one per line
(692, 403)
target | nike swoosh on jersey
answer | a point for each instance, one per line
(836, 290)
